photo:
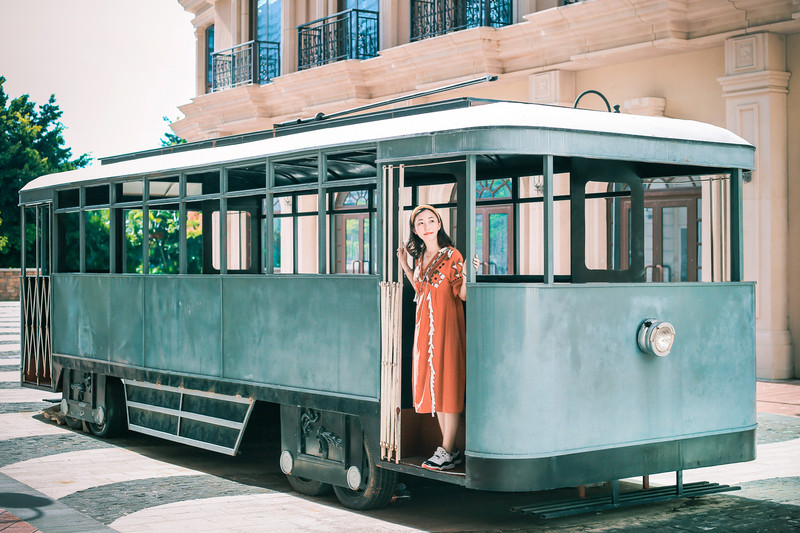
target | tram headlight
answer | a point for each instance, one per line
(656, 337)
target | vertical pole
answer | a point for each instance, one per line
(115, 231)
(615, 491)
(322, 174)
(679, 483)
(401, 183)
(145, 251)
(183, 221)
(82, 230)
(737, 243)
(548, 219)
(469, 223)
(269, 225)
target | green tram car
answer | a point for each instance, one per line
(609, 332)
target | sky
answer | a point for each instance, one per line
(116, 68)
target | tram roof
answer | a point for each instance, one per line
(383, 126)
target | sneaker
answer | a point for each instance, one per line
(440, 460)
(458, 457)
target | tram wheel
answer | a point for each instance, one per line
(309, 487)
(377, 486)
(114, 422)
(73, 423)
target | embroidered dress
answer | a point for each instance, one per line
(439, 363)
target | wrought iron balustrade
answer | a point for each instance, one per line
(253, 62)
(351, 34)
(430, 18)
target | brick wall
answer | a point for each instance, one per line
(9, 283)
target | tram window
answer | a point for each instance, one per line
(494, 226)
(247, 178)
(37, 238)
(307, 227)
(358, 164)
(168, 187)
(132, 220)
(202, 183)
(164, 239)
(130, 191)
(69, 242)
(608, 228)
(194, 237)
(282, 234)
(69, 198)
(352, 217)
(97, 227)
(296, 171)
(97, 195)
(238, 236)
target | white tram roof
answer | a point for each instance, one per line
(490, 115)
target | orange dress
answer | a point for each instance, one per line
(440, 348)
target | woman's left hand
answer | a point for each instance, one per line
(476, 263)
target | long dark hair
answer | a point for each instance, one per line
(415, 245)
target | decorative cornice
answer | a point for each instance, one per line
(755, 82)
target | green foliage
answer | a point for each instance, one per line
(170, 139)
(31, 144)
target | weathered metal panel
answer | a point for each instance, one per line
(317, 333)
(556, 370)
(126, 319)
(516, 140)
(183, 324)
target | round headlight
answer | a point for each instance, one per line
(656, 337)
(286, 462)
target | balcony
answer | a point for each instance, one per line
(430, 18)
(351, 34)
(253, 62)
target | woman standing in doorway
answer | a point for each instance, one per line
(439, 365)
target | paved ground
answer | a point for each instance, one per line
(55, 480)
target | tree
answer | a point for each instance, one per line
(31, 144)
(170, 139)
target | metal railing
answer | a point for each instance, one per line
(253, 62)
(351, 34)
(430, 18)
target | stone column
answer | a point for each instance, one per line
(755, 91)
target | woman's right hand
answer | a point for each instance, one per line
(402, 254)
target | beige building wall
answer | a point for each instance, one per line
(728, 64)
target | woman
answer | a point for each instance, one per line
(439, 363)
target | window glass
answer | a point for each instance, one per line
(164, 188)
(202, 183)
(132, 220)
(353, 214)
(97, 195)
(247, 178)
(69, 198)
(98, 238)
(283, 235)
(194, 237)
(296, 171)
(209, 58)
(69, 242)
(164, 236)
(130, 191)
(307, 241)
(238, 236)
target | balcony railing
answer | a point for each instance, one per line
(430, 18)
(351, 34)
(253, 62)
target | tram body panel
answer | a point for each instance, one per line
(556, 373)
(240, 328)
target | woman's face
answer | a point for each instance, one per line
(427, 226)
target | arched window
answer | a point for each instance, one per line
(352, 224)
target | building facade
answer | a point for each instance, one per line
(728, 63)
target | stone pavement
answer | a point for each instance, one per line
(54, 480)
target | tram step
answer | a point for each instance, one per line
(202, 419)
(627, 499)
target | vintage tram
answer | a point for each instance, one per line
(609, 332)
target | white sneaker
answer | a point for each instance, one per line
(440, 460)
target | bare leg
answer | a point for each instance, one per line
(449, 424)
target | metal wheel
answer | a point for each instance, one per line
(309, 487)
(377, 486)
(115, 417)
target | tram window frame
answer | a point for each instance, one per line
(94, 262)
(231, 191)
(297, 216)
(337, 212)
(65, 231)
